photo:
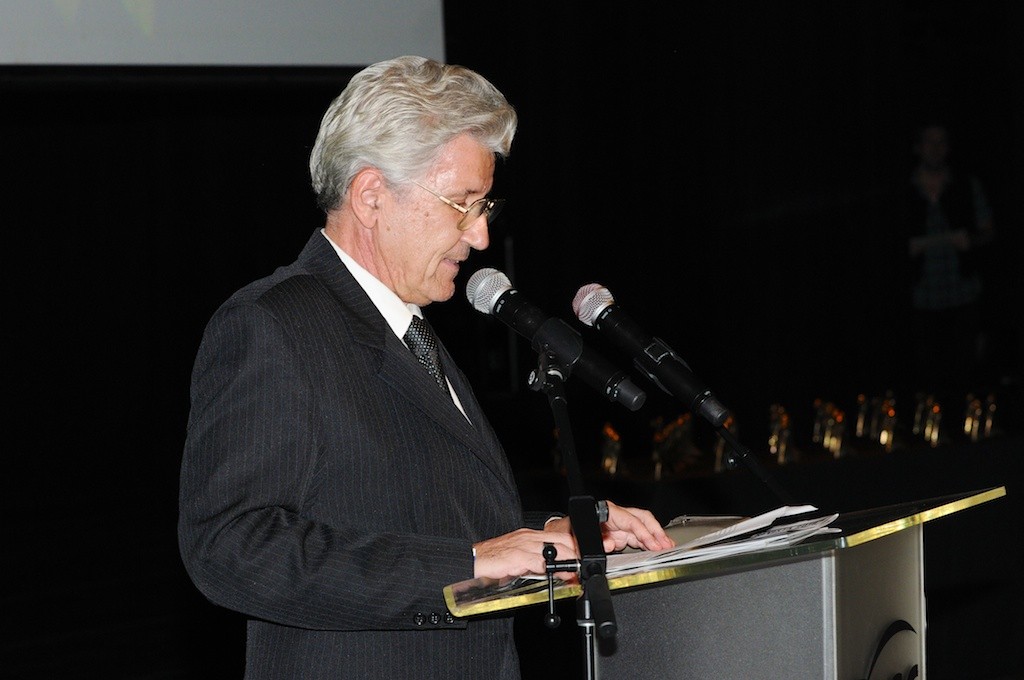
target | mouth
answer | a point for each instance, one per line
(455, 262)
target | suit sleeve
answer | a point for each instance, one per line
(250, 454)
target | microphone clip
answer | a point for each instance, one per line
(549, 375)
(657, 354)
(653, 355)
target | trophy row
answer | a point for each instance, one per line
(878, 425)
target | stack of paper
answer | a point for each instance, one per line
(769, 530)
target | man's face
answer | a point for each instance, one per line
(934, 146)
(419, 244)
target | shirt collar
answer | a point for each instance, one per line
(396, 313)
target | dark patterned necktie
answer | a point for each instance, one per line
(423, 344)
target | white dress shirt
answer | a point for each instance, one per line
(396, 313)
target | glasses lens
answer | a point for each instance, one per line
(485, 206)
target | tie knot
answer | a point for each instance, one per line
(423, 344)
(420, 338)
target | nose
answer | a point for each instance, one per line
(477, 235)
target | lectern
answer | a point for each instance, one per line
(848, 605)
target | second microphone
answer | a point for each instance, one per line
(595, 306)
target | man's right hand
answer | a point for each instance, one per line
(520, 552)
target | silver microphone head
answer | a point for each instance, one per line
(590, 301)
(484, 288)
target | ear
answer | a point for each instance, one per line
(366, 194)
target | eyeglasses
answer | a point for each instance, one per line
(490, 207)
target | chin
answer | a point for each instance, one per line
(443, 291)
(443, 297)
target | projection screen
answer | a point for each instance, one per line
(217, 32)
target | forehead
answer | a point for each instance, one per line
(463, 163)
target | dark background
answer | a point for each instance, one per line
(727, 169)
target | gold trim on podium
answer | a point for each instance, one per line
(486, 596)
(924, 515)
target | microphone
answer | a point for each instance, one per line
(595, 306)
(491, 292)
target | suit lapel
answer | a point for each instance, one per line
(398, 369)
(402, 373)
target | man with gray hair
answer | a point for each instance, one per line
(330, 486)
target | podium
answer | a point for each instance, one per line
(848, 605)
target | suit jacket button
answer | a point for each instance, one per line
(448, 618)
(419, 619)
(435, 618)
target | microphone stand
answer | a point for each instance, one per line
(743, 453)
(594, 607)
(676, 379)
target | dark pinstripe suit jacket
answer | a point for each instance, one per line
(329, 493)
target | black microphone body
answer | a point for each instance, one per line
(490, 292)
(595, 307)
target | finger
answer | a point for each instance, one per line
(646, 531)
(536, 543)
(565, 546)
(520, 552)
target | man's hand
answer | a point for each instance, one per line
(520, 552)
(632, 527)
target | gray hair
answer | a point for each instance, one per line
(396, 115)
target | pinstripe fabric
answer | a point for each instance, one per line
(329, 495)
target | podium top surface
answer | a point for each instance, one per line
(484, 596)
